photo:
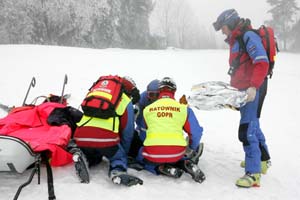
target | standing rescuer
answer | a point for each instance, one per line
(251, 65)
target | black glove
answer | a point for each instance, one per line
(135, 96)
(194, 155)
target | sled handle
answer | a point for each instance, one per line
(32, 84)
(63, 90)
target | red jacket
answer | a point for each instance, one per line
(30, 125)
(254, 64)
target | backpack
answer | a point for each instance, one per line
(103, 97)
(269, 42)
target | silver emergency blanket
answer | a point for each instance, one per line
(215, 95)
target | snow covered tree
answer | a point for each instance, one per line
(98, 22)
(133, 23)
(282, 12)
(85, 23)
(15, 26)
(53, 24)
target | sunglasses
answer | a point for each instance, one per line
(217, 25)
(152, 95)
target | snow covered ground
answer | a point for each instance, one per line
(223, 152)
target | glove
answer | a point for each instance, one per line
(183, 100)
(251, 93)
(135, 94)
(194, 155)
(189, 153)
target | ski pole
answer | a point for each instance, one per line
(32, 84)
(63, 90)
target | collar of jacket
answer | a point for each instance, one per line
(243, 25)
(166, 94)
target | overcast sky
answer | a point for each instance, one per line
(208, 10)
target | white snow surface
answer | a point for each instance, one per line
(222, 153)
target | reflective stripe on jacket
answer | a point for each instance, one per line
(97, 132)
(165, 119)
(165, 141)
(254, 64)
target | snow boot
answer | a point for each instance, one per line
(193, 169)
(249, 180)
(265, 165)
(122, 178)
(170, 170)
(81, 165)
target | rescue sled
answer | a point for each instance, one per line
(216, 95)
(11, 150)
(31, 135)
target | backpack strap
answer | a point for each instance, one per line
(236, 63)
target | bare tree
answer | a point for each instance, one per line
(162, 19)
(176, 22)
(182, 23)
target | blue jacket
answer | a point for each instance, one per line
(140, 124)
(193, 129)
(127, 127)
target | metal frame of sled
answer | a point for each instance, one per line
(9, 163)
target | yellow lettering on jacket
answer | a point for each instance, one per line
(165, 119)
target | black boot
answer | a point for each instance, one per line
(122, 178)
(170, 170)
(194, 170)
(81, 165)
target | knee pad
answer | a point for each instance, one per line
(243, 129)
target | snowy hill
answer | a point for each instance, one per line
(223, 152)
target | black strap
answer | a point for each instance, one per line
(51, 195)
(236, 63)
(87, 121)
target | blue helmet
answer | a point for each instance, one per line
(152, 90)
(228, 17)
(153, 86)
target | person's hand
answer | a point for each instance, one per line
(183, 100)
(251, 93)
(189, 153)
